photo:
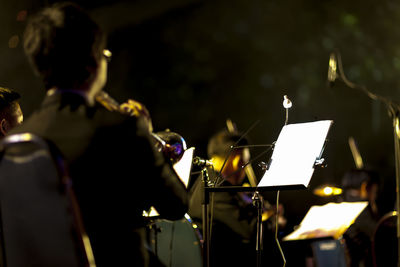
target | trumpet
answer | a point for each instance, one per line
(112, 105)
(171, 144)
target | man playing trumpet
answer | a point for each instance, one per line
(116, 170)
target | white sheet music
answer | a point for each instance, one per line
(296, 150)
(184, 166)
(329, 220)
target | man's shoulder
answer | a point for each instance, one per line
(80, 125)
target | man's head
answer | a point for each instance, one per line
(360, 185)
(220, 146)
(10, 111)
(65, 47)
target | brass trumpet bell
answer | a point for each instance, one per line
(172, 145)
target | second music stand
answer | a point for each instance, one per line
(298, 149)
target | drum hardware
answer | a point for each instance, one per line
(175, 243)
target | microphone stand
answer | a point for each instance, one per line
(393, 110)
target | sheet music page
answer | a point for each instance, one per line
(295, 152)
(329, 220)
(184, 166)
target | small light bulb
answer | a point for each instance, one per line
(286, 102)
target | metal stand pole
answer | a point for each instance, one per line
(396, 132)
(206, 201)
(393, 109)
(258, 203)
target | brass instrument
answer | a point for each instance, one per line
(356, 153)
(171, 144)
(112, 105)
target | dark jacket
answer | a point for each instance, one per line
(116, 173)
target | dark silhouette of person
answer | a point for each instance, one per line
(361, 185)
(116, 170)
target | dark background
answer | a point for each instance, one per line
(195, 63)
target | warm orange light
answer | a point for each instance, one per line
(107, 54)
(327, 191)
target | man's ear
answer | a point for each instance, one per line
(363, 190)
(4, 126)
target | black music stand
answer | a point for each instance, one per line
(298, 149)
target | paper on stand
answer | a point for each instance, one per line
(184, 166)
(329, 220)
(295, 152)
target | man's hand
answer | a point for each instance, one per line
(137, 109)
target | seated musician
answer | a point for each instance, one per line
(116, 170)
(361, 185)
(233, 237)
(10, 110)
(234, 217)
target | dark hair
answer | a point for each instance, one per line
(220, 144)
(64, 45)
(7, 98)
(354, 178)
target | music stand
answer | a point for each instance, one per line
(323, 227)
(327, 221)
(298, 149)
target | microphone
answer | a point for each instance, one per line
(332, 74)
(202, 162)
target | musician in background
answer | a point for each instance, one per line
(361, 185)
(10, 110)
(116, 170)
(233, 237)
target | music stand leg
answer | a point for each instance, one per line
(258, 203)
(206, 201)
